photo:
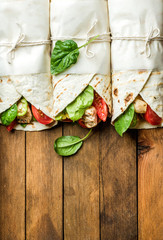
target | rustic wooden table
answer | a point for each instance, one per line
(111, 190)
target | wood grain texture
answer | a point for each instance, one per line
(150, 184)
(81, 188)
(43, 186)
(12, 185)
(118, 185)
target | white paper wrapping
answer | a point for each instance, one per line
(134, 72)
(79, 20)
(130, 18)
(33, 17)
(28, 75)
(73, 19)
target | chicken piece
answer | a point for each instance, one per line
(26, 118)
(90, 117)
(140, 106)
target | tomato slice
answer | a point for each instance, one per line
(101, 107)
(41, 117)
(81, 123)
(151, 117)
(11, 126)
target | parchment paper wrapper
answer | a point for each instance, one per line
(30, 18)
(28, 74)
(79, 20)
(134, 72)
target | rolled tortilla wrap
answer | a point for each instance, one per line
(137, 62)
(79, 21)
(25, 56)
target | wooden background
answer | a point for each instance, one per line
(111, 190)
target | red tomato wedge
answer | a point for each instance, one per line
(11, 126)
(81, 123)
(101, 107)
(151, 117)
(41, 117)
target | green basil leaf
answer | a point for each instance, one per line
(77, 108)
(124, 121)
(65, 53)
(134, 121)
(9, 115)
(69, 145)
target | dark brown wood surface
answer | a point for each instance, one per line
(118, 178)
(43, 186)
(150, 184)
(111, 190)
(81, 188)
(12, 185)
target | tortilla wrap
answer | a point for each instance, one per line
(28, 73)
(80, 20)
(137, 65)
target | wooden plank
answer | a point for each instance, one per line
(43, 186)
(150, 184)
(81, 188)
(118, 185)
(12, 185)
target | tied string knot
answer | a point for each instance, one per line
(21, 43)
(153, 35)
(11, 52)
(104, 37)
(88, 52)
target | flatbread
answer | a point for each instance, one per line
(79, 21)
(68, 87)
(28, 74)
(137, 65)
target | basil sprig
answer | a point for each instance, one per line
(69, 145)
(125, 120)
(65, 53)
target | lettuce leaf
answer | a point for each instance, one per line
(77, 108)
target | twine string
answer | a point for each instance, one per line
(21, 43)
(11, 52)
(104, 37)
(154, 35)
